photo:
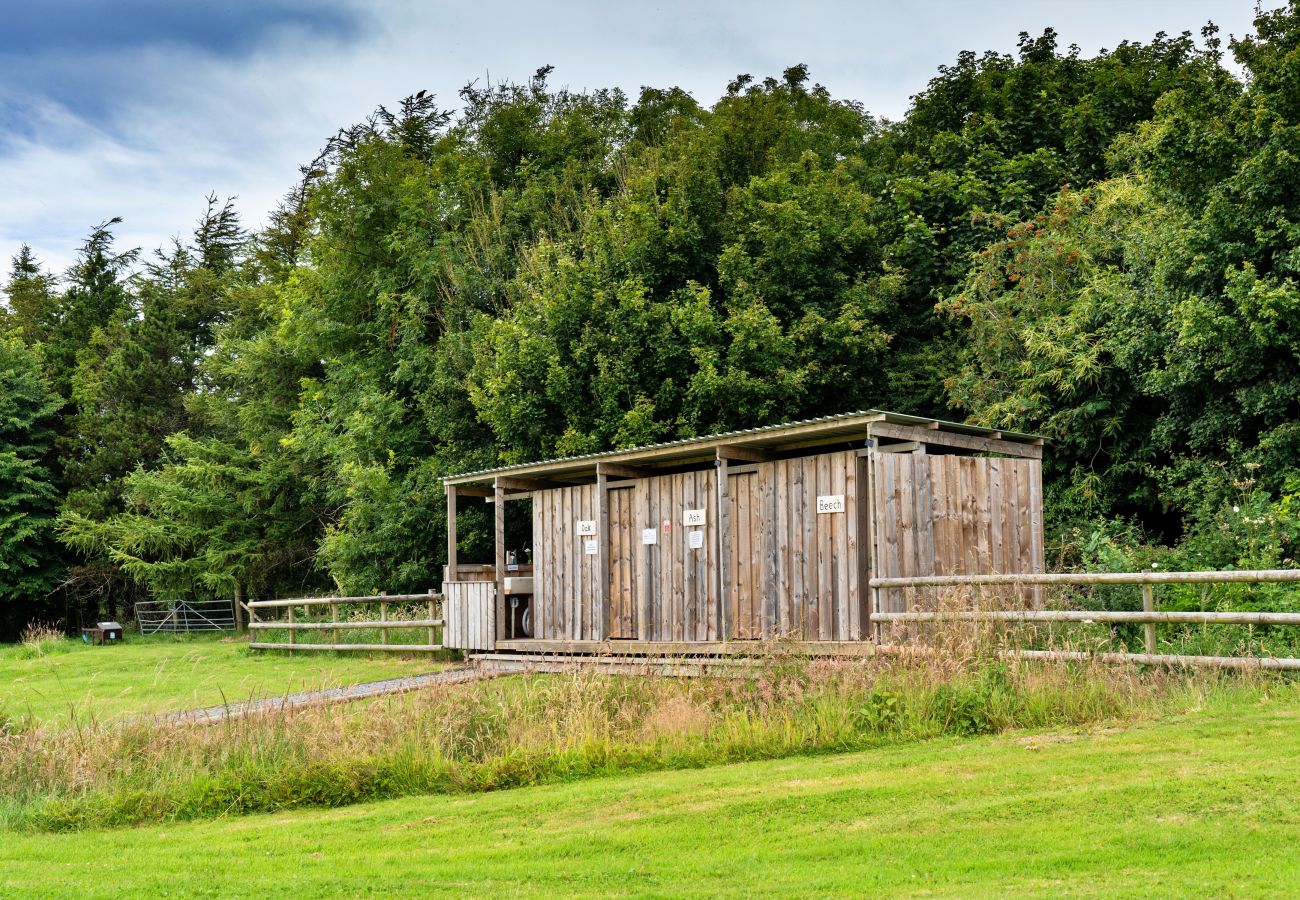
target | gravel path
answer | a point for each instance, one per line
(213, 714)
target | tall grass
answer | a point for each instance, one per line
(532, 729)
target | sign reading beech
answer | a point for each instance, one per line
(830, 503)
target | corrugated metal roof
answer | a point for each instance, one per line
(864, 417)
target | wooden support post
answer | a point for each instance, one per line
(499, 514)
(239, 607)
(602, 553)
(383, 618)
(867, 489)
(451, 533)
(1149, 605)
(433, 637)
(293, 632)
(721, 544)
(334, 616)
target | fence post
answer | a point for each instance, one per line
(1149, 605)
(293, 632)
(433, 638)
(383, 618)
(334, 616)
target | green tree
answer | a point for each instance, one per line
(29, 559)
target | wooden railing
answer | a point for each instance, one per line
(291, 623)
(1148, 616)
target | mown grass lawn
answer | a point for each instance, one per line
(1204, 804)
(155, 674)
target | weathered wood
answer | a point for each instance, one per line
(469, 610)
(499, 540)
(743, 454)
(394, 648)
(902, 447)
(293, 634)
(510, 483)
(1149, 606)
(467, 490)
(451, 529)
(1151, 618)
(602, 624)
(1245, 576)
(323, 601)
(694, 648)
(618, 470)
(722, 627)
(433, 620)
(337, 626)
(960, 441)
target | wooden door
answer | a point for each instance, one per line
(624, 542)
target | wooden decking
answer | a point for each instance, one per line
(687, 650)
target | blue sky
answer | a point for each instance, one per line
(139, 108)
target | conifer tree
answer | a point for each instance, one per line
(28, 553)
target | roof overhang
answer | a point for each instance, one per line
(831, 430)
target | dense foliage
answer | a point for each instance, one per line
(1100, 249)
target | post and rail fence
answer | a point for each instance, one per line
(435, 621)
(432, 622)
(1149, 616)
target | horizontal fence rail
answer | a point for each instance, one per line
(432, 622)
(1253, 576)
(1148, 616)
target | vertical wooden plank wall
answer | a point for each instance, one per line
(794, 572)
(468, 608)
(624, 560)
(954, 515)
(566, 586)
(789, 571)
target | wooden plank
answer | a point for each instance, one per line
(780, 548)
(499, 531)
(768, 584)
(722, 552)
(373, 648)
(959, 441)
(618, 470)
(451, 530)
(744, 454)
(601, 624)
(647, 589)
(891, 553)
(798, 570)
(526, 485)
(822, 529)
(997, 559)
(1025, 556)
(855, 544)
(687, 648)
(905, 504)
(842, 478)
(346, 626)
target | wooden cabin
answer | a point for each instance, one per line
(753, 535)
